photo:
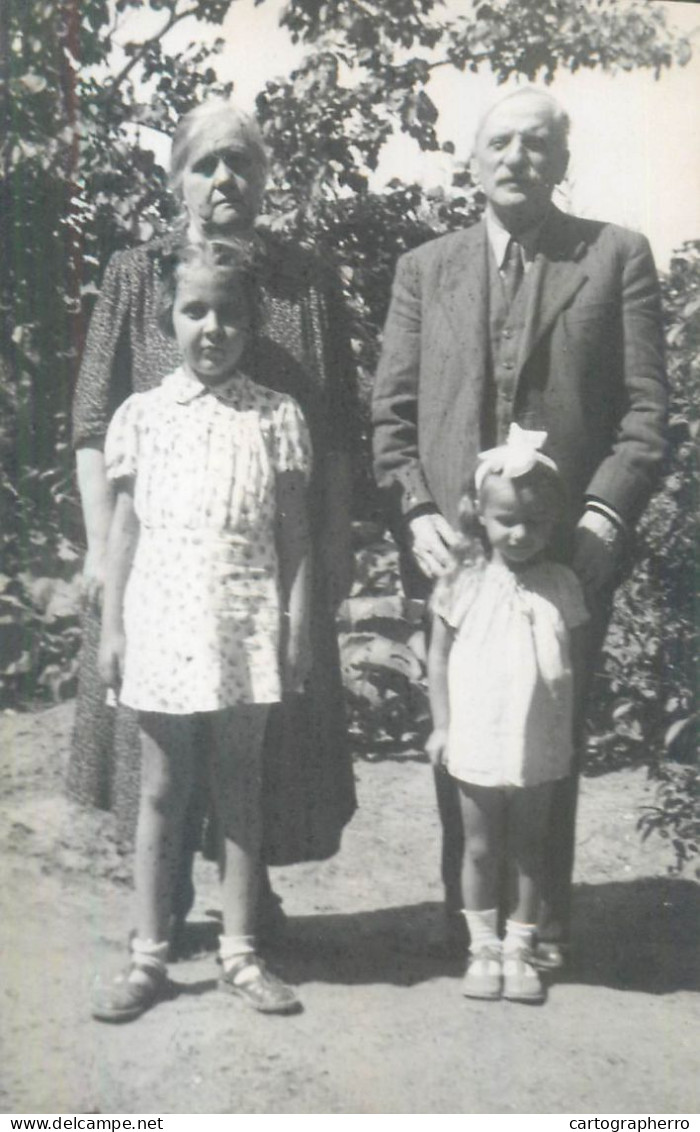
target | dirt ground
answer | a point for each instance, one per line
(385, 1029)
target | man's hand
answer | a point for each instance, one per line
(597, 551)
(432, 540)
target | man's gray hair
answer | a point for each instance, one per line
(559, 117)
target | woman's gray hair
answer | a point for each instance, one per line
(242, 123)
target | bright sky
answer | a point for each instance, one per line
(635, 157)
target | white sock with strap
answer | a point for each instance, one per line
(234, 948)
(149, 959)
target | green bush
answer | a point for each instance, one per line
(645, 702)
(39, 548)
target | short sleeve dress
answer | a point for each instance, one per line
(301, 347)
(509, 672)
(201, 606)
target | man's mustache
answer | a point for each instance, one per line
(208, 207)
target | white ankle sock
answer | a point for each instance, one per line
(233, 948)
(148, 957)
(518, 935)
(482, 928)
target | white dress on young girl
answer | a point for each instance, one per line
(509, 671)
(201, 608)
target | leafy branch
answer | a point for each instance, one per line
(138, 52)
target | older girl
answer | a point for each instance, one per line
(503, 652)
(205, 613)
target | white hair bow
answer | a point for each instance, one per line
(517, 457)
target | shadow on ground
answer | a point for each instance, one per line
(399, 946)
(638, 935)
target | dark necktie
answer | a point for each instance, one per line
(513, 270)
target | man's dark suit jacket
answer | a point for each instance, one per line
(590, 368)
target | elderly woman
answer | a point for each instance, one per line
(301, 347)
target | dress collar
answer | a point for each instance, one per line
(183, 388)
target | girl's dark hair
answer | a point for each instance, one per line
(228, 264)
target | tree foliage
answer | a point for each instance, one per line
(647, 699)
(650, 690)
(368, 72)
(76, 183)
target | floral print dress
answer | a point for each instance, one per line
(201, 607)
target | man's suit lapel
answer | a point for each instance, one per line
(557, 275)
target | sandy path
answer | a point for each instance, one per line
(385, 1029)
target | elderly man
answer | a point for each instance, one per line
(548, 320)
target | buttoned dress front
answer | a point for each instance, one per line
(202, 607)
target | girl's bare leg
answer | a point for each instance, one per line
(166, 780)
(236, 768)
(482, 816)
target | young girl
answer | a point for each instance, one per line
(205, 610)
(500, 666)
